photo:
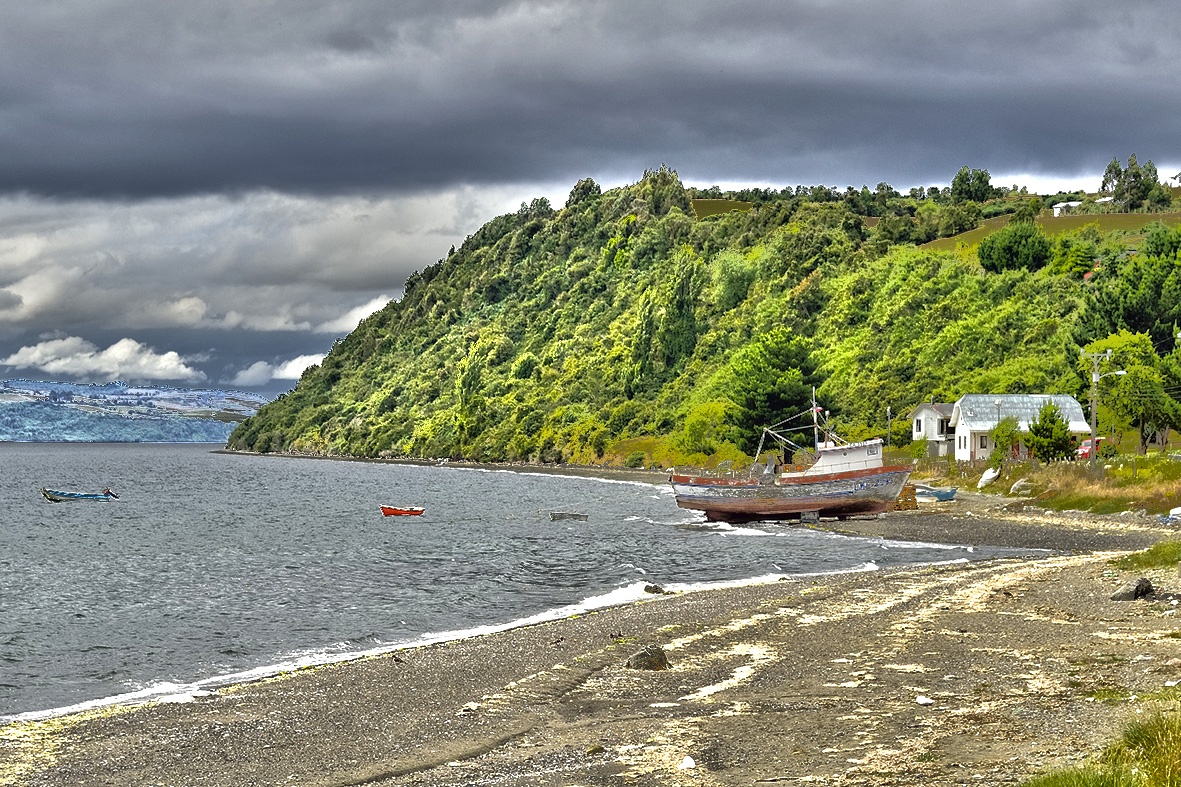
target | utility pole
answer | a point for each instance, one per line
(889, 441)
(1096, 359)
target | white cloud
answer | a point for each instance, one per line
(258, 373)
(126, 359)
(271, 321)
(352, 318)
(261, 372)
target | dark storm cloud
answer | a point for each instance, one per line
(142, 98)
(235, 183)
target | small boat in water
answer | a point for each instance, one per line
(401, 511)
(57, 496)
(557, 516)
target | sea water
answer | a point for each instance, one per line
(213, 568)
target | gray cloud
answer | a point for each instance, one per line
(208, 276)
(137, 98)
(236, 182)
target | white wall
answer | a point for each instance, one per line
(967, 444)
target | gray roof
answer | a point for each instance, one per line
(943, 408)
(979, 412)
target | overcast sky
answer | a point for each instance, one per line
(209, 193)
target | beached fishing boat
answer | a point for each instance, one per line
(557, 516)
(401, 511)
(57, 496)
(841, 480)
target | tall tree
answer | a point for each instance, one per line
(768, 380)
(1135, 187)
(971, 185)
(1049, 435)
(1136, 398)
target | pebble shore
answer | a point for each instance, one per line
(986, 672)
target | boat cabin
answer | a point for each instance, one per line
(842, 459)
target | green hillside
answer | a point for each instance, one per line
(619, 328)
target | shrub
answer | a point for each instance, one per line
(1019, 245)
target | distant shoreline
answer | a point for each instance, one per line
(611, 473)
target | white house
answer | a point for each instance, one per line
(974, 417)
(931, 421)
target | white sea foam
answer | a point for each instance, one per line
(592, 478)
(172, 692)
(726, 528)
(169, 692)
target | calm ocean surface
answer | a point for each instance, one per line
(214, 568)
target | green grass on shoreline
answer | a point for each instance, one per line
(1151, 484)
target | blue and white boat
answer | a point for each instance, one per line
(57, 496)
(934, 494)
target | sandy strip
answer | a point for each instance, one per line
(985, 672)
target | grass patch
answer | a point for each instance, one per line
(1151, 748)
(1166, 694)
(1056, 225)
(1089, 776)
(1163, 555)
(1148, 754)
(1110, 695)
(1131, 483)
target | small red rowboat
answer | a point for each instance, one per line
(399, 511)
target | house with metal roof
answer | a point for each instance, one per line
(974, 417)
(931, 421)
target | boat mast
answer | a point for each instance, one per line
(815, 425)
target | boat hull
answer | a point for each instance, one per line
(935, 494)
(853, 493)
(56, 496)
(397, 511)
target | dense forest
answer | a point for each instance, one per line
(622, 329)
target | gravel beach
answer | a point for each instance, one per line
(969, 673)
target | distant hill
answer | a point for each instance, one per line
(620, 329)
(35, 411)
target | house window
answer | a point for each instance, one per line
(918, 426)
(943, 424)
(984, 441)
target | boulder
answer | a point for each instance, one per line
(1133, 590)
(655, 589)
(650, 657)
